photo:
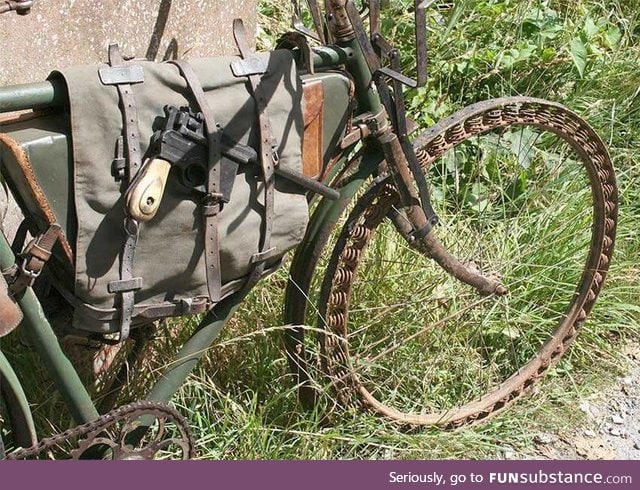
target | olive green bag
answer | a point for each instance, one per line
(169, 256)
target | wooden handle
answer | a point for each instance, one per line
(144, 199)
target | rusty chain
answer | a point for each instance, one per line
(91, 434)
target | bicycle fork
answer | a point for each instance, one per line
(415, 225)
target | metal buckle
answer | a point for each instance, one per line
(32, 275)
(212, 203)
(212, 198)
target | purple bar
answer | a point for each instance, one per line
(320, 475)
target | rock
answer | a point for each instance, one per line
(616, 419)
(544, 439)
(637, 445)
(585, 407)
(615, 432)
(508, 453)
(593, 448)
(589, 433)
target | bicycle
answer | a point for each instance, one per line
(456, 223)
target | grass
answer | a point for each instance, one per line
(241, 400)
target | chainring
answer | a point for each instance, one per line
(137, 431)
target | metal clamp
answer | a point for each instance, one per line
(21, 7)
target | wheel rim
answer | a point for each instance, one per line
(421, 347)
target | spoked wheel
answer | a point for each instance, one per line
(454, 327)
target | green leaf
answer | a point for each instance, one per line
(590, 28)
(511, 332)
(548, 54)
(613, 37)
(578, 52)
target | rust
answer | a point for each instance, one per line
(94, 433)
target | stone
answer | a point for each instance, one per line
(585, 407)
(543, 438)
(616, 419)
(615, 432)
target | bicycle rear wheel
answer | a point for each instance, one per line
(527, 198)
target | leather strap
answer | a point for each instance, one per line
(211, 204)
(268, 157)
(127, 285)
(32, 260)
(20, 237)
(129, 112)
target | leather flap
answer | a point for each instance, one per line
(313, 100)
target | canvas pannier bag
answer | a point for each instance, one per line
(118, 109)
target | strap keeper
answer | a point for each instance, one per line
(31, 262)
(118, 169)
(121, 75)
(33, 249)
(125, 285)
(250, 66)
(264, 256)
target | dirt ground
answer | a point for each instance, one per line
(610, 427)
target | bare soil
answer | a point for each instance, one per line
(609, 425)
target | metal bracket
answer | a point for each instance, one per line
(369, 124)
(117, 75)
(21, 7)
(316, 15)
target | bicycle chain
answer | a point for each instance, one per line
(95, 427)
(471, 121)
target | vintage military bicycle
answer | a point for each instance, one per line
(445, 273)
